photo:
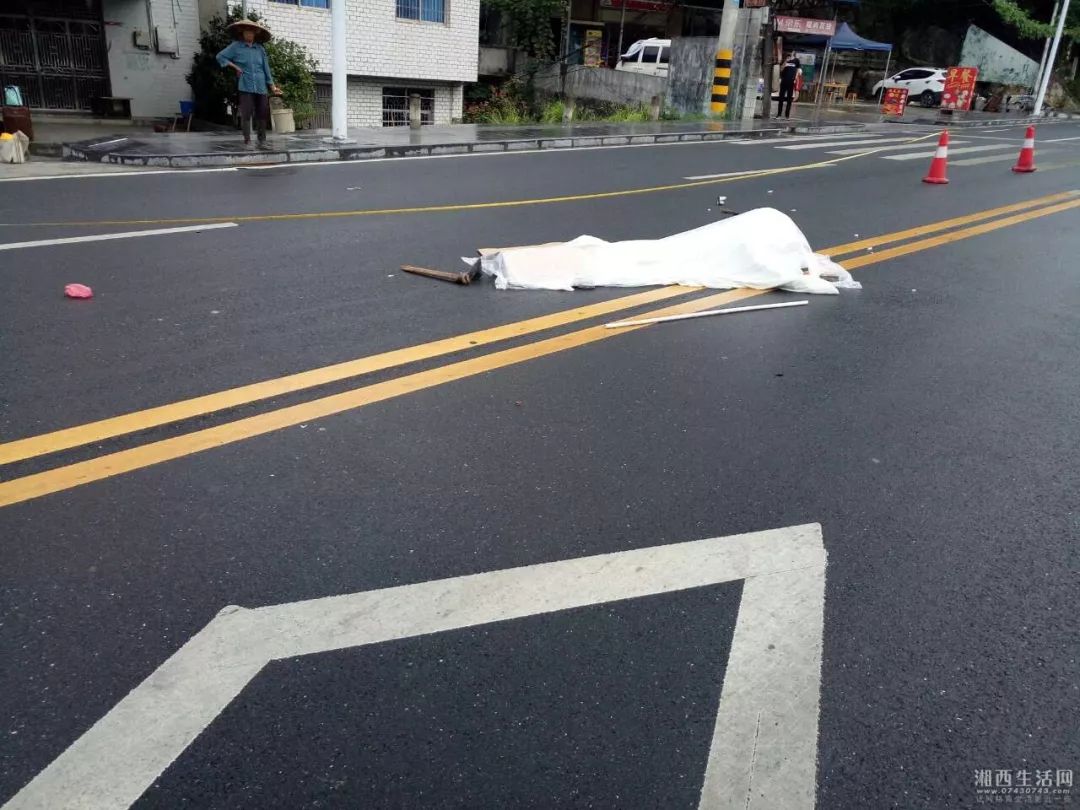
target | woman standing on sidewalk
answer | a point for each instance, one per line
(248, 58)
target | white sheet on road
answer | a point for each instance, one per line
(761, 249)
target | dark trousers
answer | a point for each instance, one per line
(257, 106)
(787, 93)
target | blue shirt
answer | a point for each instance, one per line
(252, 60)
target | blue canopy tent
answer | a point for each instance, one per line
(845, 39)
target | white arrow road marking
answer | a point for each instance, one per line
(103, 237)
(763, 753)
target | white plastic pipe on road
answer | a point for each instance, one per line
(706, 313)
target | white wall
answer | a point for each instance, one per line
(209, 9)
(996, 61)
(154, 82)
(380, 44)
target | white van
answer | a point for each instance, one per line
(649, 56)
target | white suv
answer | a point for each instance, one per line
(923, 84)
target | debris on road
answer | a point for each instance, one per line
(705, 314)
(78, 291)
(761, 249)
(442, 275)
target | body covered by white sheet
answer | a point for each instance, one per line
(761, 249)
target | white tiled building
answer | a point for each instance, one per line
(396, 47)
(71, 55)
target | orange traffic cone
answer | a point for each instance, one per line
(1026, 162)
(941, 158)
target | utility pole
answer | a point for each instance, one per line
(340, 81)
(767, 54)
(725, 53)
(1046, 49)
(1049, 70)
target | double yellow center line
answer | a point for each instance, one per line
(122, 461)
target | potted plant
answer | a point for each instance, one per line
(294, 73)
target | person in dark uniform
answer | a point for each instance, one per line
(789, 73)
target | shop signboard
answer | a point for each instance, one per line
(894, 102)
(959, 88)
(804, 25)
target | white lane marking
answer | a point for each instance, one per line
(102, 237)
(966, 149)
(994, 159)
(839, 143)
(117, 173)
(869, 150)
(803, 138)
(774, 669)
(1061, 140)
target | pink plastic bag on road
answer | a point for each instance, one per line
(78, 291)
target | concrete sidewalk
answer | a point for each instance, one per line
(197, 149)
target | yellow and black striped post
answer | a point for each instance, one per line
(721, 81)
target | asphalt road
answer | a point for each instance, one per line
(928, 423)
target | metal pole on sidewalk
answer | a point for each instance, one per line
(767, 56)
(881, 90)
(340, 82)
(1049, 71)
(622, 24)
(566, 33)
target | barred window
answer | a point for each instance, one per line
(424, 10)
(395, 106)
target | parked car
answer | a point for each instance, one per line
(924, 85)
(649, 56)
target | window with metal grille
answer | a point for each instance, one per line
(424, 10)
(395, 106)
(307, 3)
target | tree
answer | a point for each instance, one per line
(530, 24)
(1030, 28)
(212, 87)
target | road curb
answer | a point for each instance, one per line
(86, 152)
(994, 122)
